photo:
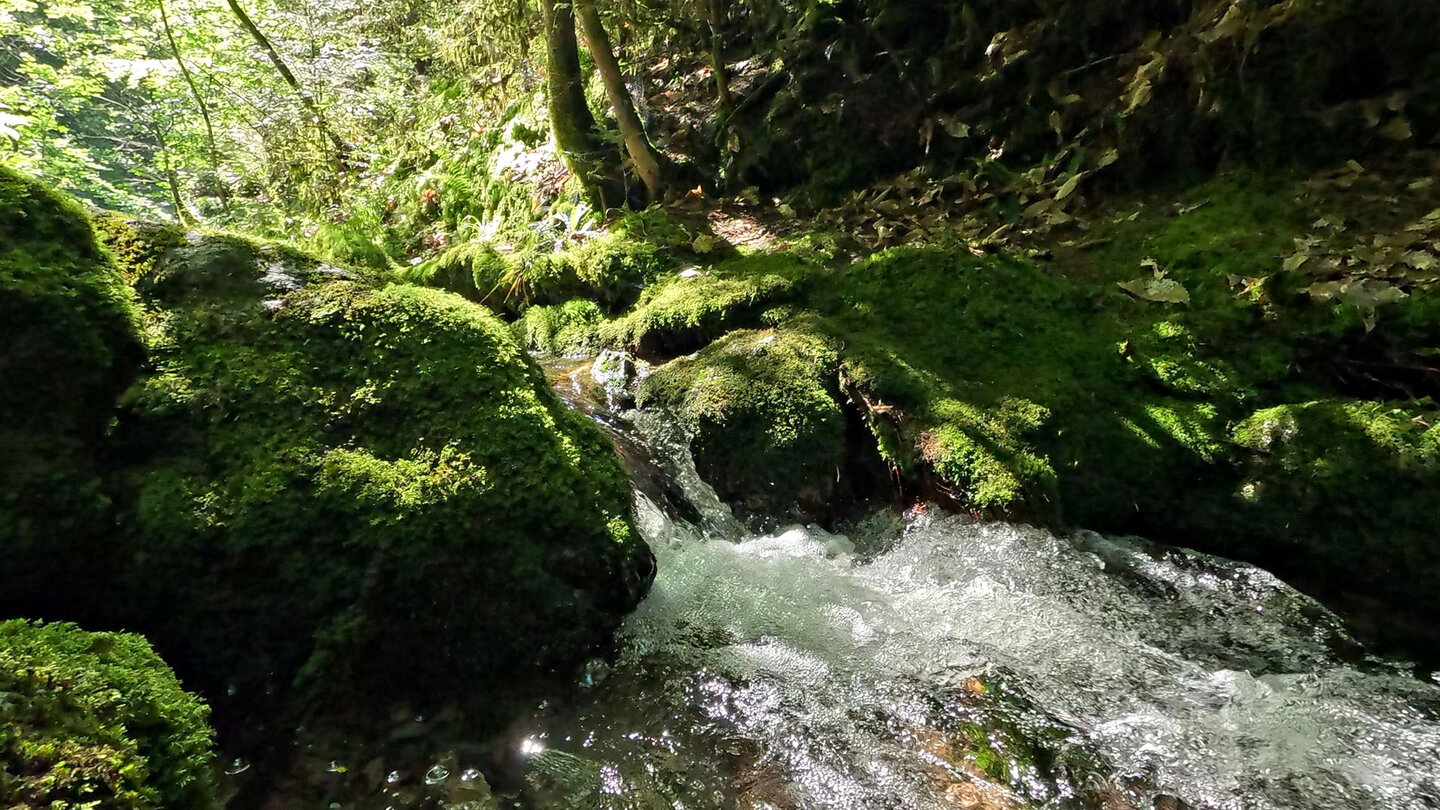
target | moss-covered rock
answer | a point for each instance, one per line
(682, 312)
(1045, 390)
(1348, 487)
(764, 411)
(97, 720)
(560, 261)
(358, 490)
(571, 328)
(67, 348)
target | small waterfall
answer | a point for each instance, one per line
(932, 661)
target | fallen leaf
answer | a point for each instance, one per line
(1421, 260)
(1398, 129)
(1039, 208)
(1069, 187)
(1296, 262)
(1363, 293)
(1157, 288)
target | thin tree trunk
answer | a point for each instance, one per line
(647, 161)
(306, 100)
(181, 212)
(199, 102)
(172, 181)
(717, 54)
(576, 134)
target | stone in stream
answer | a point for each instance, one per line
(614, 371)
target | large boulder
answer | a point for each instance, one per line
(97, 720)
(359, 491)
(763, 407)
(67, 348)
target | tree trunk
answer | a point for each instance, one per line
(576, 134)
(306, 100)
(199, 102)
(647, 161)
(717, 54)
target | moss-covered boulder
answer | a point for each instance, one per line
(684, 311)
(563, 258)
(97, 720)
(67, 347)
(764, 411)
(571, 328)
(358, 490)
(1348, 487)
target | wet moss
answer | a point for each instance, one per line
(1349, 484)
(97, 720)
(764, 410)
(571, 328)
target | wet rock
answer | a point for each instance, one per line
(764, 411)
(614, 371)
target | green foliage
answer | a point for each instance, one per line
(97, 720)
(764, 411)
(316, 474)
(67, 349)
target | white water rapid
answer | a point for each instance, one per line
(932, 661)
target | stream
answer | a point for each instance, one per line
(928, 660)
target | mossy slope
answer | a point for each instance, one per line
(97, 720)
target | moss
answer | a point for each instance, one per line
(1169, 357)
(984, 452)
(562, 261)
(1042, 390)
(67, 348)
(570, 328)
(1354, 480)
(135, 245)
(996, 732)
(959, 362)
(357, 490)
(474, 270)
(97, 719)
(764, 411)
(679, 313)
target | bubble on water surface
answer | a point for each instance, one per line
(438, 773)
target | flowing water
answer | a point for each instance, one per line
(931, 661)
